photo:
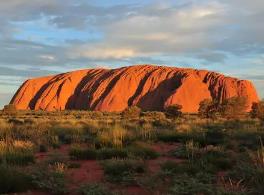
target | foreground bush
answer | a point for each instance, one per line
(16, 152)
(131, 112)
(10, 108)
(123, 171)
(94, 189)
(143, 152)
(257, 110)
(173, 111)
(209, 109)
(12, 181)
(234, 107)
(79, 153)
(50, 179)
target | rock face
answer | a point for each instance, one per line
(146, 86)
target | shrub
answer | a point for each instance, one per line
(185, 184)
(208, 109)
(13, 181)
(16, 152)
(143, 152)
(9, 108)
(114, 136)
(15, 121)
(74, 165)
(171, 167)
(257, 110)
(214, 136)
(79, 153)
(234, 107)
(123, 171)
(170, 136)
(94, 189)
(147, 131)
(49, 179)
(108, 153)
(173, 111)
(131, 112)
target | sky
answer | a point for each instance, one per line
(40, 37)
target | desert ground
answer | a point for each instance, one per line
(130, 152)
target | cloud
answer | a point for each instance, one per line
(45, 37)
(107, 53)
(5, 99)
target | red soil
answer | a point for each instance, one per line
(89, 172)
(163, 149)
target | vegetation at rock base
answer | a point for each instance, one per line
(87, 152)
(234, 107)
(258, 110)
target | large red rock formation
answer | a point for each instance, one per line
(149, 87)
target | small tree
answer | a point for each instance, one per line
(173, 111)
(208, 109)
(257, 110)
(9, 108)
(131, 112)
(234, 107)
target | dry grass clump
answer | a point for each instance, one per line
(16, 152)
(114, 136)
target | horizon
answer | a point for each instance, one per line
(40, 38)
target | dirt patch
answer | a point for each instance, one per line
(163, 149)
(89, 172)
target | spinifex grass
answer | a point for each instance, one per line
(16, 152)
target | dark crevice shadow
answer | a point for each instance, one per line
(71, 103)
(34, 100)
(109, 87)
(155, 100)
(140, 88)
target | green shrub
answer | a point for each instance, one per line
(16, 152)
(234, 107)
(172, 167)
(43, 148)
(108, 153)
(257, 110)
(209, 109)
(123, 171)
(220, 160)
(143, 152)
(13, 181)
(78, 153)
(49, 180)
(184, 185)
(173, 111)
(17, 158)
(94, 189)
(74, 165)
(170, 136)
(214, 136)
(250, 176)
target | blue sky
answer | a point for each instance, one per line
(47, 37)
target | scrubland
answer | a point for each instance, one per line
(85, 152)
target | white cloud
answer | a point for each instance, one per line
(47, 57)
(102, 53)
